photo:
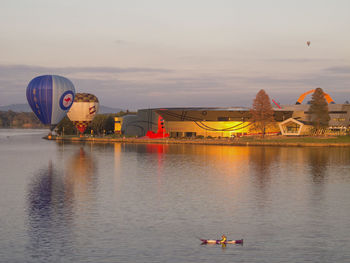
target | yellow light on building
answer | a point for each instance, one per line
(118, 122)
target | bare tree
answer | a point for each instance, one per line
(262, 112)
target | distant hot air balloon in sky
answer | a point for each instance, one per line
(308, 43)
(83, 111)
(50, 97)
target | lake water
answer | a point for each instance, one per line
(71, 202)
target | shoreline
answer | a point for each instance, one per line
(223, 142)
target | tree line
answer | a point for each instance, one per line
(101, 124)
(11, 119)
(262, 116)
(263, 113)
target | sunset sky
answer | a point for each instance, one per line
(161, 53)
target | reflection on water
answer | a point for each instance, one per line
(55, 199)
(260, 160)
(49, 215)
(159, 150)
(72, 202)
(318, 161)
(79, 178)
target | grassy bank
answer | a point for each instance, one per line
(343, 141)
(284, 139)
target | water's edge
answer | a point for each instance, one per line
(196, 141)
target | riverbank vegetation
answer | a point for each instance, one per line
(102, 124)
(11, 119)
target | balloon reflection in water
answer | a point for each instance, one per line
(80, 177)
(49, 214)
(53, 199)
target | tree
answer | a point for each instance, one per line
(319, 115)
(98, 124)
(19, 120)
(66, 127)
(262, 112)
(109, 124)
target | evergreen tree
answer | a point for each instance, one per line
(319, 115)
(262, 112)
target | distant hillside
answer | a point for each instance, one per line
(26, 108)
(105, 109)
(16, 108)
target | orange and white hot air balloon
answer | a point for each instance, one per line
(83, 110)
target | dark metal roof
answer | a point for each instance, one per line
(202, 109)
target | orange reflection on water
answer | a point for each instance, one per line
(79, 177)
(229, 159)
(117, 170)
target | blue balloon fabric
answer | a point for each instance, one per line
(50, 97)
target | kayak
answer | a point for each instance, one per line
(213, 241)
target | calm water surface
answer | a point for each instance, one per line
(151, 203)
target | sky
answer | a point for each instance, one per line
(184, 53)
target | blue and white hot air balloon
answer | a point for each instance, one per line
(50, 98)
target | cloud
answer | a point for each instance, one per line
(5, 69)
(15, 78)
(304, 60)
(134, 88)
(126, 87)
(339, 70)
(120, 42)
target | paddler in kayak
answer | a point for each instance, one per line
(223, 239)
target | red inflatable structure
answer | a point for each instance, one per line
(161, 132)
